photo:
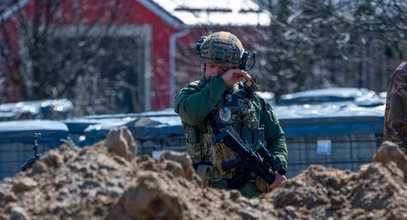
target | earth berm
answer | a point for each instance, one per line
(95, 183)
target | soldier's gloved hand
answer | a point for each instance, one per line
(280, 179)
(278, 164)
(233, 76)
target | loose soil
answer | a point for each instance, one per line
(95, 183)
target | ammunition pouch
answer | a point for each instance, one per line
(194, 151)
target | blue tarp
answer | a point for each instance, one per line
(296, 120)
(23, 131)
(142, 128)
(327, 110)
(38, 109)
(359, 96)
(162, 123)
(160, 127)
(161, 113)
(330, 119)
(79, 125)
(332, 126)
(97, 132)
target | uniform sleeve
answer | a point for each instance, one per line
(276, 142)
(395, 119)
(193, 106)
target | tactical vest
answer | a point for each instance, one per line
(234, 112)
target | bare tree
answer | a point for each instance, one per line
(323, 43)
(76, 50)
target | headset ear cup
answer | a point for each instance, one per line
(243, 60)
(245, 57)
(199, 44)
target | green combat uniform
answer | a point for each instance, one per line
(194, 102)
(248, 118)
(395, 119)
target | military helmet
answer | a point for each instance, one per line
(222, 48)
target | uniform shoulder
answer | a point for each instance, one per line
(401, 70)
(397, 84)
(262, 103)
(402, 67)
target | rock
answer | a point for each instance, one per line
(120, 141)
(53, 159)
(39, 167)
(18, 212)
(182, 158)
(150, 197)
(10, 197)
(23, 184)
(92, 183)
(390, 152)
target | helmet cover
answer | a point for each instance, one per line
(222, 48)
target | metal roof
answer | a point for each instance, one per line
(215, 12)
(193, 12)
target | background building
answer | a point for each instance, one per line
(111, 56)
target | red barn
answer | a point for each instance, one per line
(166, 33)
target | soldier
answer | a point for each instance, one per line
(395, 118)
(248, 117)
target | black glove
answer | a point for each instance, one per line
(278, 164)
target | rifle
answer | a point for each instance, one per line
(31, 161)
(250, 163)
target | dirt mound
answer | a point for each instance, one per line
(377, 191)
(92, 183)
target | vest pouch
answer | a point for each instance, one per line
(206, 145)
(194, 150)
(192, 134)
(193, 145)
